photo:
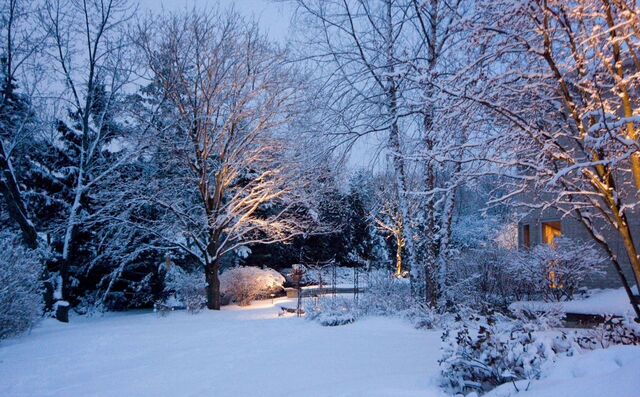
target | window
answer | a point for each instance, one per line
(526, 236)
(551, 230)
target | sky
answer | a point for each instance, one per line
(274, 17)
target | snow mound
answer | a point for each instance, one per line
(598, 301)
(607, 372)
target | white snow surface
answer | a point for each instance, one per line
(599, 373)
(236, 352)
(599, 301)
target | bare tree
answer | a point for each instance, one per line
(437, 29)
(382, 62)
(230, 178)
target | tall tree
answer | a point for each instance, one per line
(229, 179)
(383, 61)
(93, 63)
(437, 29)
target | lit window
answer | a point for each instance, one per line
(551, 230)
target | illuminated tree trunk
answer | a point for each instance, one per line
(618, 67)
(625, 233)
(601, 176)
(399, 248)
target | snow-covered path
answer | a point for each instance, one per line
(236, 352)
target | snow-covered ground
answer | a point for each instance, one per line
(236, 352)
(599, 301)
(253, 352)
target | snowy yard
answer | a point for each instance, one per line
(254, 352)
(236, 352)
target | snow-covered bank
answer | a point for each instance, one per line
(599, 301)
(608, 372)
(236, 352)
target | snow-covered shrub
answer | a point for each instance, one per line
(422, 316)
(385, 295)
(493, 276)
(244, 284)
(141, 292)
(322, 275)
(479, 273)
(613, 331)
(184, 290)
(89, 304)
(21, 303)
(331, 311)
(557, 273)
(481, 278)
(482, 352)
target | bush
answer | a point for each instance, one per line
(184, 290)
(482, 352)
(480, 273)
(613, 331)
(21, 303)
(482, 278)
(331, 311)
(493, 276)
(385, 296)
(555, 274)
(244, 284)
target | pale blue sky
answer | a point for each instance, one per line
(274, 16)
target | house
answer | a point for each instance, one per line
(543, 226)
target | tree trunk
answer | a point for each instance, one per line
(614, 260)
(62, 311)
(399, 246)
(62, 293)
(630, 248)
(621, 226)
(213, 286)
(15, 204)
